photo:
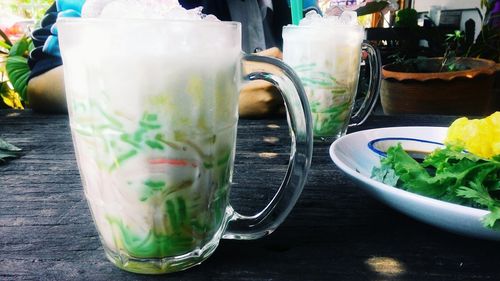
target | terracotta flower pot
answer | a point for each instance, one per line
(466, 92)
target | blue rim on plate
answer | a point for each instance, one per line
(372, 145)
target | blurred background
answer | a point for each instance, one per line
(401, 29)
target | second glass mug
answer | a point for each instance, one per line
(154, 129)
(327, 59)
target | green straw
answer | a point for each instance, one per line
(296, 11)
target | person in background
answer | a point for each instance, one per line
(46, 83)
(262, 22)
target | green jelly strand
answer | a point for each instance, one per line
(154, 245)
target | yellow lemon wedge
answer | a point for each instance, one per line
(478, 136)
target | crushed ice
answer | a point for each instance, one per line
(312, 18)
(142, 9)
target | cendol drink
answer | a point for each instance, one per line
(153, 113)
(165, 153)
(325, 52)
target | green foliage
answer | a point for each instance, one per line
(8, 151)
(447, 174)
(407, 18)
(454, 43)
(484, 3)
(31, 9)
(18, 72)
(486, 45)
(14, 62)
(454, 51)
(13, 89)
(5, 44)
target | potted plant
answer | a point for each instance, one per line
(458, 83)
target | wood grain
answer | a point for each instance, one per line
(335, 232)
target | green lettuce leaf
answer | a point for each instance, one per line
(448, 174)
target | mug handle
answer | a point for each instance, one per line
(375, 62)
(300, 123)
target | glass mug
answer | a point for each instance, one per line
(327, 59)
(154, 130)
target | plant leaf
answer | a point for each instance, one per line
(20, 48)
(8, 150)
(372, 7)
(18, 72)
(6, 155)
(4, 145)
(10, 97)
(4, 45)
(492, 219)
(5, 38)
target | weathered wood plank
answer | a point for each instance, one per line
(335, 232)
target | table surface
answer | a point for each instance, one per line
(335, 232)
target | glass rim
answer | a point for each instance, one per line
(324, 26)
(79, 20)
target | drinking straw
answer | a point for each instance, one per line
(296, 11)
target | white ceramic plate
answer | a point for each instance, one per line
(352, 154)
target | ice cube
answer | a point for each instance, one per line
(93, 8)
(349, 18)
(210, 18)
(310, 18)
(333, 10)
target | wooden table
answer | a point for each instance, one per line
(335, 232)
